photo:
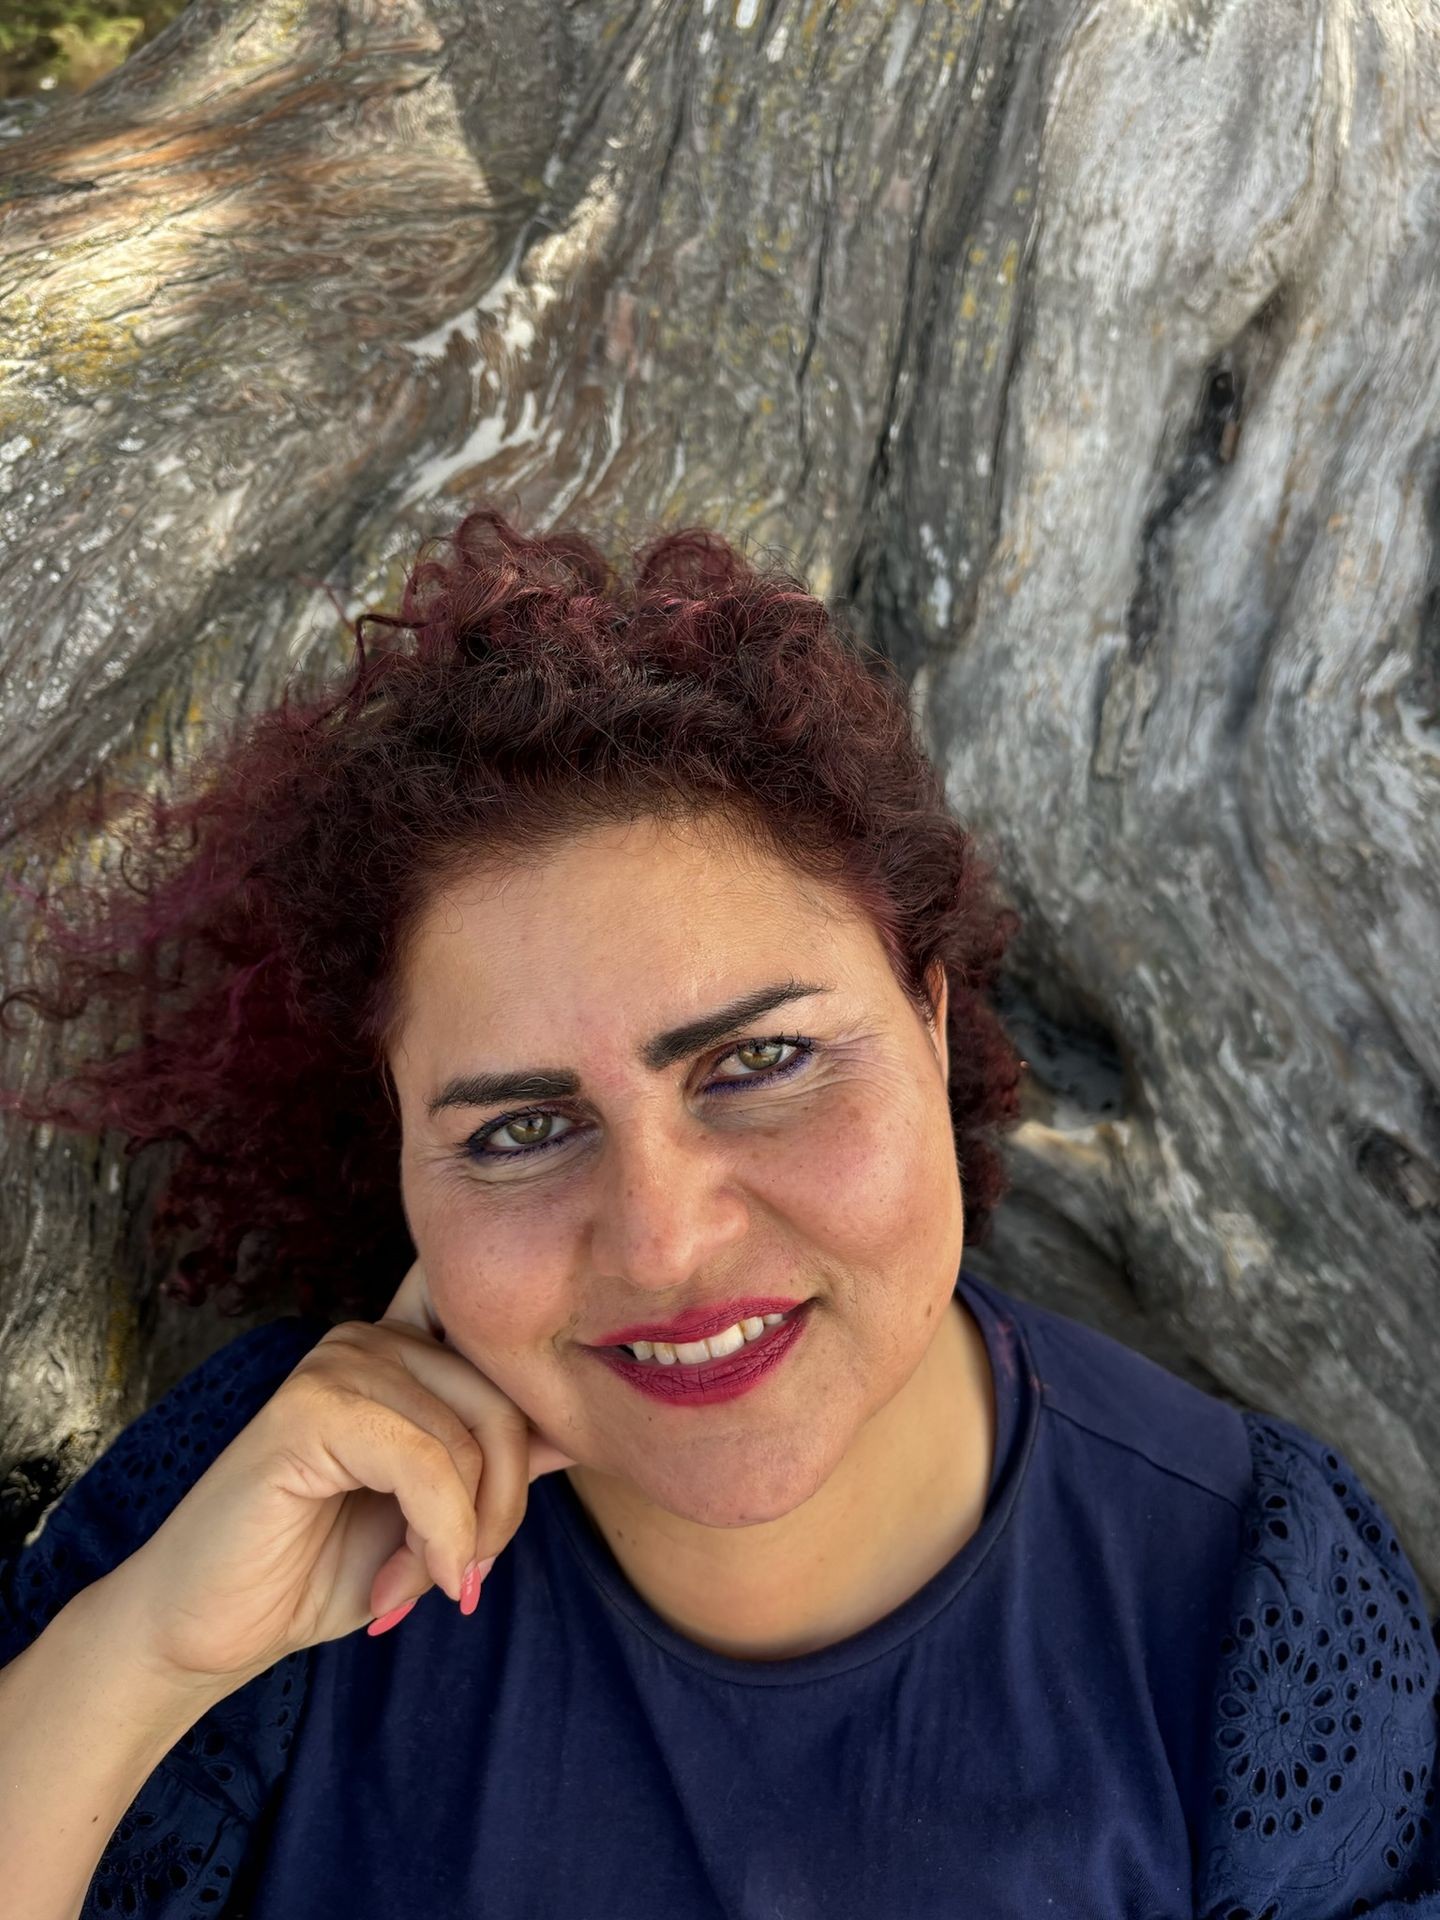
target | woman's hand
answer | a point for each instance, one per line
(383, 1465)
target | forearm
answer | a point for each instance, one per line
(83, 1724)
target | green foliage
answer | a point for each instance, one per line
(66, 44)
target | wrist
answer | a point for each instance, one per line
(114, 1614)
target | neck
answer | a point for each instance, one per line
(908, 1495)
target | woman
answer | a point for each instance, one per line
(631, 929)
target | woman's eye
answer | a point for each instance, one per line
(528, 1131)
(753, 1047)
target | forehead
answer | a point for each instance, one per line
(619, 924)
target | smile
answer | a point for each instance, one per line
(706, 1381)
(691, 1353)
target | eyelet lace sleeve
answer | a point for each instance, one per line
(1322, 1782)
(177, 1851)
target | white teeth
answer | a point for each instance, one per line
(691, 1353)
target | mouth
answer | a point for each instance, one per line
(698, 1323)
(749, 1332)
(708, 1379)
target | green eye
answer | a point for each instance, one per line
(474, 1148)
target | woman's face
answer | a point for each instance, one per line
(705, 1179)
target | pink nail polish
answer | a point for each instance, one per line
(470, 1584)
(388, 1620)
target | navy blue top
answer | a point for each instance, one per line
(1180, 1670)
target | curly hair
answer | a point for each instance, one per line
(522, 694)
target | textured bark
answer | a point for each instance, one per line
(1091, 354)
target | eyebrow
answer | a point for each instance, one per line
(555, 1083)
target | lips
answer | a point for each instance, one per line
(682, 1388)
(698, 1323)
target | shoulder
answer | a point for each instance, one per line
(1324, 1731)
(1317, 1675)
(1109, 1396)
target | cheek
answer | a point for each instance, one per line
(491, 1271)
(875, 1181)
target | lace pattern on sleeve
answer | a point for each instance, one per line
(179, 1851)
(1322, 1789)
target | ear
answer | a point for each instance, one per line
(938, 987)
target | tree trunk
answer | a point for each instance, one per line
(1091, 355)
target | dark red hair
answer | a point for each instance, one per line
(523, 693)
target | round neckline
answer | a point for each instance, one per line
(1013, 1381)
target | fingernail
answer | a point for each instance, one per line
(388, 1620)
(470, 1581)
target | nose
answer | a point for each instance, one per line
(667, 1207)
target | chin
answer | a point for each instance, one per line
(712, 1496)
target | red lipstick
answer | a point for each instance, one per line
(697, 1323)
(711, 1381)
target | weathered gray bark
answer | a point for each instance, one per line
(1092, 353)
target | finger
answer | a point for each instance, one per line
(504, 1481)
(513, 1451)
(377, 1536)
(402, 1577)
(384, 1450)
(435, 1387)
(396, 1585)
(413, 1308)
(493, 1443)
